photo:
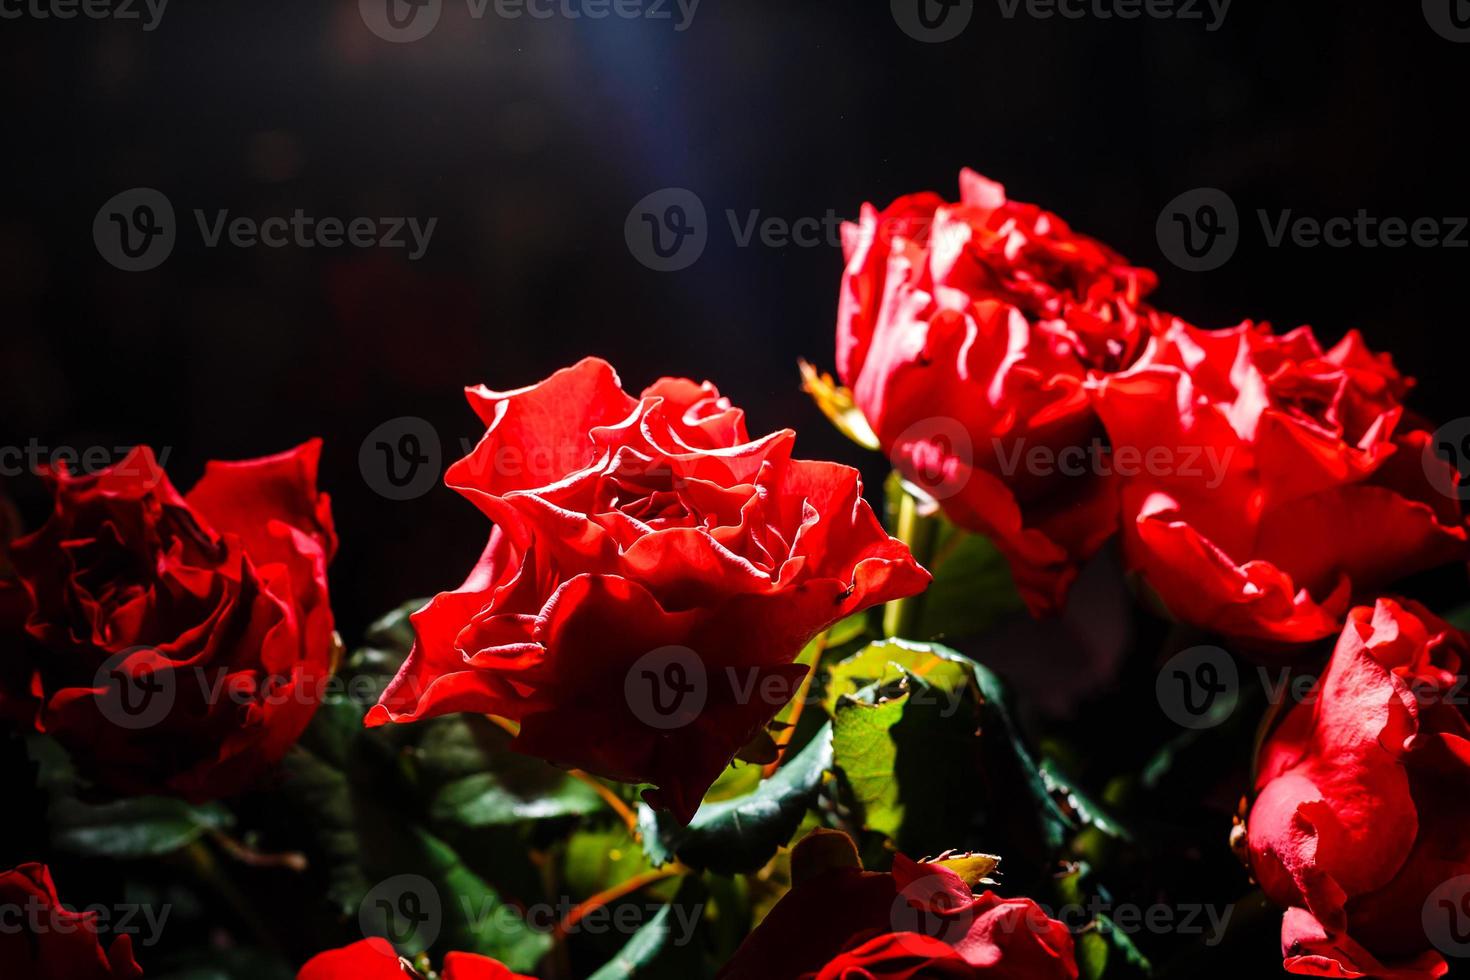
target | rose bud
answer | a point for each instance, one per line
(966, 333)
(43, 940)
(1291, 479)
(1363, 799)
(174, 644)
(921, 920)
(652, 575)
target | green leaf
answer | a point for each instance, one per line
(972, 589)
(887, 661)
(134, 827)
(1088, 812)
(1010, 752)
(740, 835)
(482, 800)
(664, 948)
(139, 827)
(907, 754)
(864, 751)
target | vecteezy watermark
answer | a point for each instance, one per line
(402, 908)
(1446, 917)
(668, 688)
(33, 917)
(668, 230)
(34, 457)
(401, 459)
(938, 21)
(405, 21)
(1204, 463)
(1201, 688)
(925, 908)
(409, 908)
(1210, 13)
(1201, 229)
(1447, 459)
(1198, 687)
(1449, 18)
(149, 13)
(933, 21)
(136, 231)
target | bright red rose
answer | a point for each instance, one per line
(41, 940)
(1285, 479)
(921, 920)
(967, 333)
(175, 644)
(374, 959)
(651, 576)
(1363, 800)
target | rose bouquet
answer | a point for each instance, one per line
(704, 708)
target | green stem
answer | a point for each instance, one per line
(901, 617)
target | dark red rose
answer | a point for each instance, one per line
(921, 920)
(649, 564)
(1287, 479)
(1363, 800)
(175, 644)
(967, 333)
(42, 940)
(374, 959)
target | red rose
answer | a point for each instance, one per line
(176, 644)
(966, 333)
(921, 920)
(41, 940)
(1285, 479)
(1363, 800)
(374, 959)
(651, 576)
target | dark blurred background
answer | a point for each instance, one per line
(530, 141)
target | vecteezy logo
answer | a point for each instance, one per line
(406, 910)
(933, 21)
(1199, 687)
(1446, 917)
(1447, 459)
(135, 230)
(667, 688)
(927, 908)
(401, 21)
(936, 455)
(1199, 230)
(137, 688)
(668, 230)
(1449, 18)
(400, 458)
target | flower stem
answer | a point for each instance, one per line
(613, 894)
(901, 617)
(803, 693)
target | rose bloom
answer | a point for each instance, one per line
(966, 333)
(652, 575)
(1363, 800)
(42, 940)
(174, 644)
(1268, 482)
(920, 921)
(374, 959)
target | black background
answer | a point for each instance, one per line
(530, 141)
